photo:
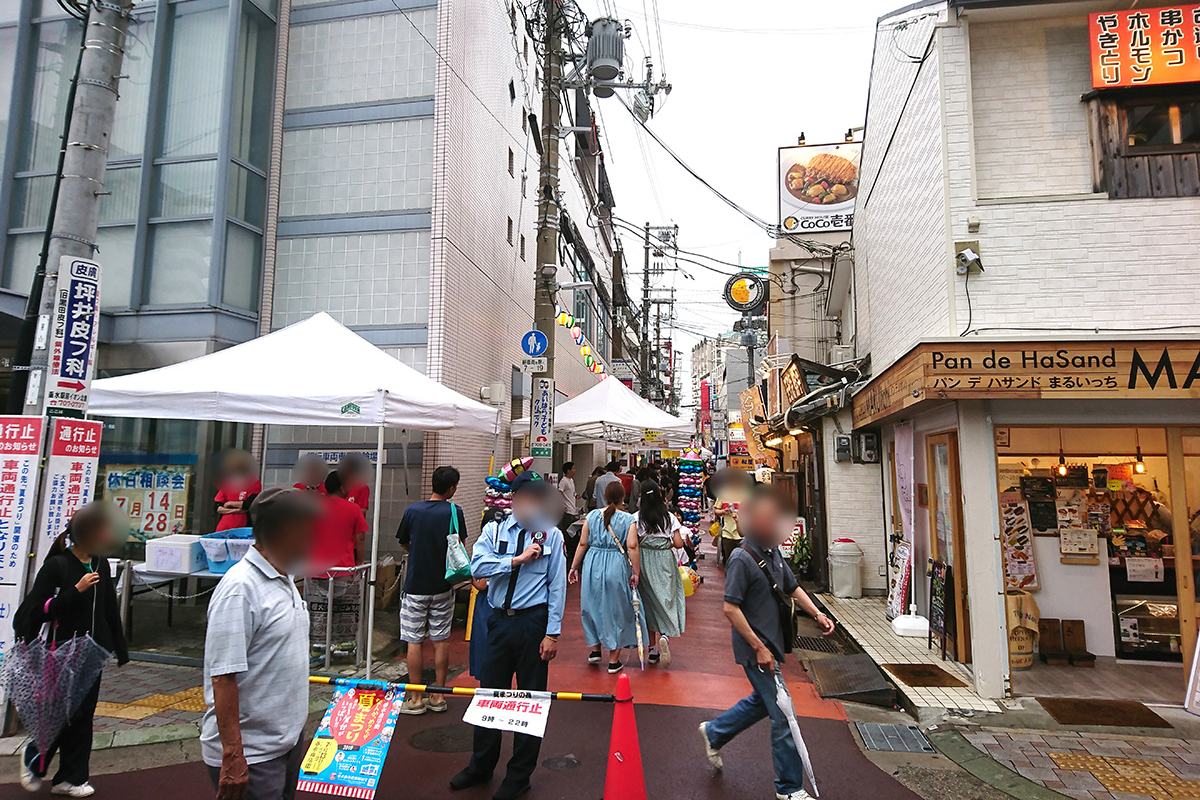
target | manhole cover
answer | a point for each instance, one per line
(818, 644)
(445, 739)
(894, 738)
(561, 763)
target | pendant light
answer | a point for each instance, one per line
(1139, 466)
(1062, 460)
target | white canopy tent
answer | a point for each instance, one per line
(611, 412)
(315, 372)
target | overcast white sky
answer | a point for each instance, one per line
(748, 77)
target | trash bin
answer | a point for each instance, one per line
(1023, 617)
(845, 568)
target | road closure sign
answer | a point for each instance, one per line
(513, 710)
(73, 330)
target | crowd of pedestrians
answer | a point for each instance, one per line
(623, 554)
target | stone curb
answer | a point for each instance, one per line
(955, 747)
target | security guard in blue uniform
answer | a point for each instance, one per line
(524, 561)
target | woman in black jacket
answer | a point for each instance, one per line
(74, 592)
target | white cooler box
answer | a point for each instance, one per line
(177, 554)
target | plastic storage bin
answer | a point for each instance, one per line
(845, 568)
(177, 554)
(223, 549)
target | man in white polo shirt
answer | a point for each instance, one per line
(256, 657)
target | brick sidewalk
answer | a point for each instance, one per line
(1097, 766)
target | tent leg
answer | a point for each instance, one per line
(374, 553)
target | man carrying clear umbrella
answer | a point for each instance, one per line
(761, 594)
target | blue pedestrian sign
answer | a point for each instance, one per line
(534, 343)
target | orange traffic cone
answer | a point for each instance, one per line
(625, 780)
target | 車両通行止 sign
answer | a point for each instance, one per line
(1145, 46)
(74, 328)
(20, 449)
(70, 477)
(513, 710)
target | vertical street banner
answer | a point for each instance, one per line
(900, 578)
(73, 331)
(69, 480)
(20, 449)
(541, 419)
(351, 744)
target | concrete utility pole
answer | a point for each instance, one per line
(546, 270)
(646, 313)
(76, 213)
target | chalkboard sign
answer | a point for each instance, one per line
(941, 603)
(1035, 488)
(1043, 516)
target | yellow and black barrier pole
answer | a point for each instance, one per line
(457, 691)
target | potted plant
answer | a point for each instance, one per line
(800, 559)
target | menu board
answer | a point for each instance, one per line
(1016, 544)
(1078, 542)
(1036, 488)
(941, 602)
(1043, 516)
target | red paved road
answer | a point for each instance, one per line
(669, 706)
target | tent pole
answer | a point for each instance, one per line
(374, 551)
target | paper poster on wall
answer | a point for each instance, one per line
(70, 477)
(1144, 570)
(152, 499)
(1008, 477)
(1070, 514)
(1016, 544)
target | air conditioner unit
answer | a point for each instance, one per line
(841, 353)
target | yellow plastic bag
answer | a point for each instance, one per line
(714, 530)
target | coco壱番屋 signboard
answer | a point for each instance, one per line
(817, 187)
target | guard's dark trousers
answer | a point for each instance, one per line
(513, 648)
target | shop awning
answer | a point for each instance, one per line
(316, 372)
(611, 412)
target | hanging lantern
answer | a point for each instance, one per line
(585, 351)
(589, 361)
(570, 321)
(576, 333)
(603, 369)
(562, 318)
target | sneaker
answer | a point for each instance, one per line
(653, 657)
(594, 657)
(799, 794)
(615, 667)
(29, 781)
(664, 652)
(714, 755)
(71, 790)
(414, 708)
(435, 703)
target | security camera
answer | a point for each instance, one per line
(968, 260)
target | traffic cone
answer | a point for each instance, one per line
(625, 780)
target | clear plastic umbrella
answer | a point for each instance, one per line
(47, 682)
(637, 623)
(784, 701)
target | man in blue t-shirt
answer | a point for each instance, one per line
(427, 604)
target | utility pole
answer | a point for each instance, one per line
(749, 339)
(546, 269)
(658, 391)
(76, 210)
(646, 313)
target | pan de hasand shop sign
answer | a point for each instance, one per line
(1031, 370)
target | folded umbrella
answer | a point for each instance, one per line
(784, 701)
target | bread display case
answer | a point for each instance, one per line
(1147, 627)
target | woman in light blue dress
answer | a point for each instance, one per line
(608, 580)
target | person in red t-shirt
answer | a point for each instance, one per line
(338, 541)
(311, 470)
(236, 490)
(352, 470)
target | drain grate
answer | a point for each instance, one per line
(818, 644)
(894, 738)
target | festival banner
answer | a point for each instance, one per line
(900, 583)
(70, 477)
(347, 753)
(74, 328)
(513, 710)
(20, 448)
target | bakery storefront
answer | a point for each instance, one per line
(1069, 470)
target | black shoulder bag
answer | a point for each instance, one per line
(787, 606)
